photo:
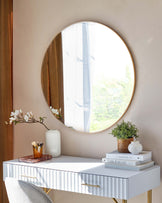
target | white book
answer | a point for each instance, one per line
(125, 162)
(144, 155)
(134, 168)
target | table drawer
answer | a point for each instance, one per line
(104, 186)
(25, 173)
(69, 181)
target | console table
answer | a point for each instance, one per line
(86, 176)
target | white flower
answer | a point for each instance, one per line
(55, 111)
(12, 114)
(17, 112)
(30, 114)
(12, 119)
(26, 118)
(10, 122)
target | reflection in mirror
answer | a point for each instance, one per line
(88, 72)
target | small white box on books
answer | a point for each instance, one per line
(144, 155)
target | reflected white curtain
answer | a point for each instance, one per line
(77, 76)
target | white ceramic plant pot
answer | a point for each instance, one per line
(135, 147)
(53, 143)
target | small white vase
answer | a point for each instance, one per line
(53, 143)
(135, 147)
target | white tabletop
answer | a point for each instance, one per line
(82, 165)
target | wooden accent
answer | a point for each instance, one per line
(149, 196)
(123, 145)
(124, 201)
(31, 159)
(52, 75)
(6, 97)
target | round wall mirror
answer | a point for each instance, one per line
(88, 77)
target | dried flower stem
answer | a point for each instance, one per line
(17, 116)
(42, 124)
(34, 121)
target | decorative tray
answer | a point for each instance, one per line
(31, 159)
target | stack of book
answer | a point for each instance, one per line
(128, 161)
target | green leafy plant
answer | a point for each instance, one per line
(125, 130)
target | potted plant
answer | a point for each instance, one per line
(125, 133)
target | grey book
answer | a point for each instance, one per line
(134, 168)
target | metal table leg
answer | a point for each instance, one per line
(123, 201)
(115, 200)
(46, 190)
(149, 196)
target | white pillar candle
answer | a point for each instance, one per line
(53, 143)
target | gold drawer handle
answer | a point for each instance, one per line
(91, 185)
(25, 176)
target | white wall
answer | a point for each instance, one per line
(36, 22)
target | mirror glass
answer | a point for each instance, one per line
(88, 75)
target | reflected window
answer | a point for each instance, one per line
(98, 76)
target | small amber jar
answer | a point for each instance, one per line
(38, 150)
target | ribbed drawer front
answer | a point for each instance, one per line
(70, 181)
(104, 186)
(25, 173)
(55, 179)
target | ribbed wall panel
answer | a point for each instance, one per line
(69, 181)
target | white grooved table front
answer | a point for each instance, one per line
(86, 176)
